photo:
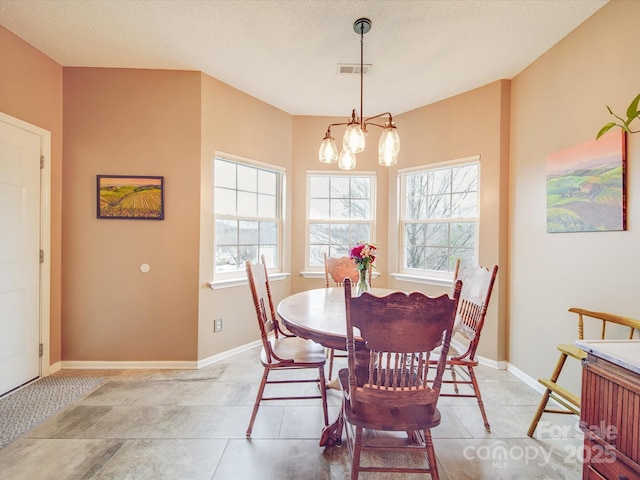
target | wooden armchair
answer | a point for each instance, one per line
(394, 392)
(477, 286)
(565, 398)
(280, 350)
(336, 269)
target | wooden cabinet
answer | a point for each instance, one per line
(610, 419)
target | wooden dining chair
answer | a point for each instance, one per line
(477, 286)
(336, 269)
(280, 350)
(393, 391)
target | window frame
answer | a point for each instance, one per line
(371, 175)
(402, 175)
(232, 278)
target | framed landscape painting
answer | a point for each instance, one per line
(130, 197)
(586, 186)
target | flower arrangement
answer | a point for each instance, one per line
(364, 255)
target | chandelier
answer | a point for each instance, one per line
(354, 136)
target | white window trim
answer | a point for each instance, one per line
(318, 272)
(232, 279)
(237, 282)
(404, 277)
(431, 277)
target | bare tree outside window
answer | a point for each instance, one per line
(439, 217)
(340, 214)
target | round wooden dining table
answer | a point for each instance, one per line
(319, 315)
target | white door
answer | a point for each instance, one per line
(19, 256)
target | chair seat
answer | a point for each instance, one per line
(294, 350)
(380, 417)
(451, 357)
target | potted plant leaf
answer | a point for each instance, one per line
(632, 114)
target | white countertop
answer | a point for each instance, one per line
(625, 353)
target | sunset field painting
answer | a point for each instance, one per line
(130, 197)
(586, 186)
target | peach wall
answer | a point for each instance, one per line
(473, 123)
(557, 102)
(235, 123)
(31, 90)
(130, 122)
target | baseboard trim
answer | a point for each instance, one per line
(54, 368)
(205, 362)
(497, 364)
(532, 382)
(153, 364)
(129, 364)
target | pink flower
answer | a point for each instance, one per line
(364, 254)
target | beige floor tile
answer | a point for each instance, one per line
(71, 422)
(211, 393)
(48, 459)
(118, 392)
(512, 459)
(273, 460)
(164, 460)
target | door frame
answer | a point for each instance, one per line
(45, 235)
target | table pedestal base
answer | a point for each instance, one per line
(332, 434)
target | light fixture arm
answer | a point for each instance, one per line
(334, 125)
(367, 121)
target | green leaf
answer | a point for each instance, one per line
(632, 111)
(605, 129)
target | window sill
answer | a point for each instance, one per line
(403, 277)
(236, 282)
(321, 274)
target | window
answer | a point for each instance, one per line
(340, 213)
(248, 219)
(439, 218)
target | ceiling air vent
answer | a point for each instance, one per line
(349, 68)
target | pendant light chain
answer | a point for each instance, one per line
(354, 137)
(362, 126)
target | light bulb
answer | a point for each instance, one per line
(353, 141)
(389, 146)
(346, 160)
(328, 150)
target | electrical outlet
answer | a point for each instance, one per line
(217, 325)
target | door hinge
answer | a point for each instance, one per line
(41, 162)
(41, 350)
(41, 256)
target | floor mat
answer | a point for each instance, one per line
(30, 405)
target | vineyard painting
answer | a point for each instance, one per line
(586, 186)
(130, 197)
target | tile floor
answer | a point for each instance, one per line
(190, 425)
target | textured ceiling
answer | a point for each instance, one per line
(285, 52)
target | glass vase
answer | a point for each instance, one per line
(363, 283)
